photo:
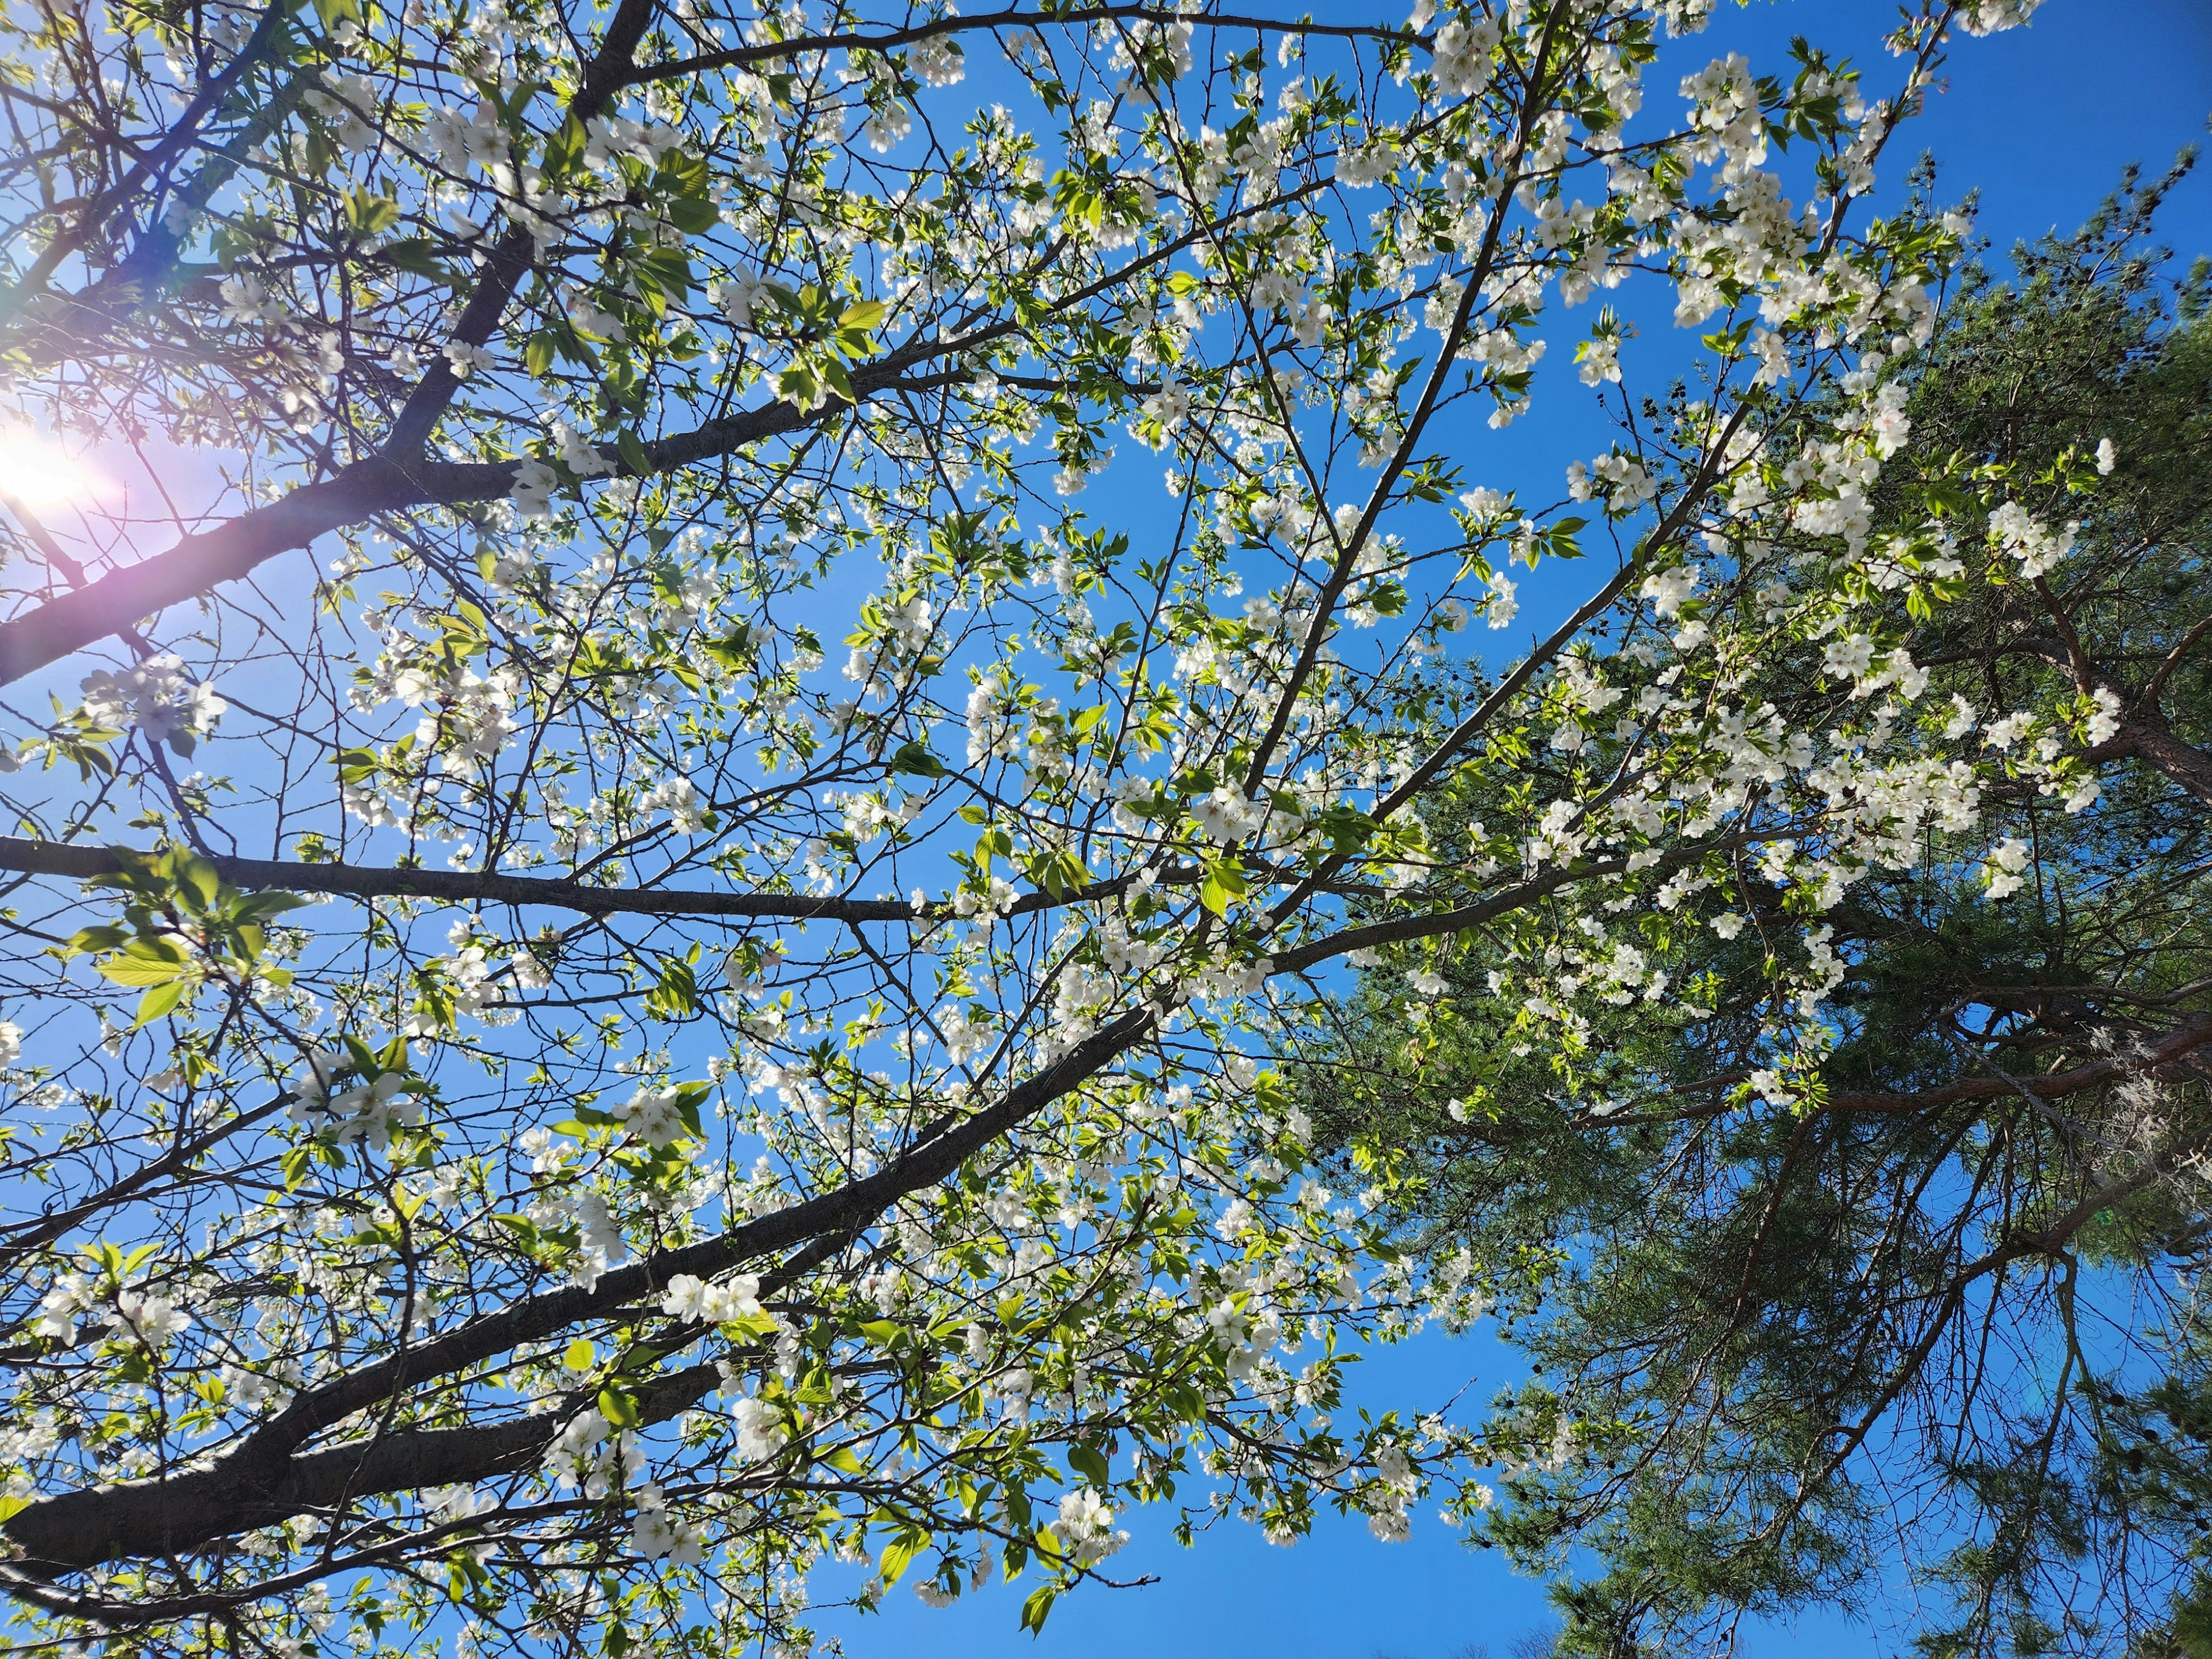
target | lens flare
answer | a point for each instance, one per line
(39, 473)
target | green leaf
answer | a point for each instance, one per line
(619, 1407)
(367, 215)
(579, 1355)
(87, 940)
(896, 1555)
(196, 880)
(664, 271)
(693, 215)
(799, 386)
(267, 904)
(1224, 883)
(145, 962)
(1091, 1463)
(295, 1165)
(158, 1002)
(633, 452)
(564, 147)
(413, 255)
(915, 760)
(1038, 1607)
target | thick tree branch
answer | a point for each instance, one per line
(2144, 734)
(2184, 1039)
(82, 1529)
(407, 1460)
(386, 483)
(46, 858)
(468, 887)
(517, 250)
(153, 1517)
(1012, 17)
(352, 496)
(186, 132)
(2149, 739)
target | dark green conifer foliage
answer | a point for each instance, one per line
(1943, 1327)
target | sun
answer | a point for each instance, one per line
(39, 473)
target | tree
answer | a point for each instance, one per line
(1948, 1299)
(571, 1112)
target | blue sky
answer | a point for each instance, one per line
(2040, 122)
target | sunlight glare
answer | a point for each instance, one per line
(42, 474)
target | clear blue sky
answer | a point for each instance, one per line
(2040, 121)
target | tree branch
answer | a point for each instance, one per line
(2184, 1039)
(46, 858)
(174, 142)
(1012, 17)
(388, 484)
(237, 1490)
(381, 484)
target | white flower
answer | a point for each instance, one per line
(534, 485)
(1670, 590)
(1502, 606)
(1084, 1527)
(655, 1117)
(1727, 924)
(2008, 860)
(70, 1295)
(453, 1504)
(2104, 724)
(1600, 359)
(1167, 407)
(737, 295)
(2107, 457)
(2027, 538)
(1391, 1524)
(582, 1457)
(690, 1297)
(11, 1042)
(155, 1318)
(157, 697)
(938, 61)
(1225, 815)
(884, 128)
(465, 360)
(657, 1535)
(1849, 657)
(760, 1433)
